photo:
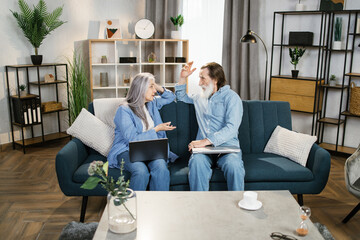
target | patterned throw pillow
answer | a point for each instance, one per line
(290, 144)
(92, 132)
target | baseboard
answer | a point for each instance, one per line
(5, 147)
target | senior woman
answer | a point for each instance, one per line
(139, 119)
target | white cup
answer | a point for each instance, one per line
(250, 198)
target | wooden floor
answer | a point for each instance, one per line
(32, 205)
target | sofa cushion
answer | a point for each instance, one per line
(290, 144)
(267, 167)
(259, 167)
(179, 171)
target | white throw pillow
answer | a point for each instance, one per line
(105, 109)
(92, 132)
(290, 144)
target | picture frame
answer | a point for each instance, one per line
(332, 5)
(112, 29)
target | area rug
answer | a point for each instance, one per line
(324, 231)
(85, 231)
(77, 230)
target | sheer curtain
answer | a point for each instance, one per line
(203, 27)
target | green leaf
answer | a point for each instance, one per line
(106, 168)
(91, 183)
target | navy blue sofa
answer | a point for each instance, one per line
(264, 171)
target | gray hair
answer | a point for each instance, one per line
(136, 95)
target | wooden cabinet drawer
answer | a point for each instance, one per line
(293, 86)
(300, 93)
(297, 102)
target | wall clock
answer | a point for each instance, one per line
(144, 28)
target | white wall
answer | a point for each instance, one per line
(59, 45)
(302, 122)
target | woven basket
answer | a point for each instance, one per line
(354, 100)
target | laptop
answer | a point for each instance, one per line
(147, 150)
(216, 150)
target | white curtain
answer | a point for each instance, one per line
(203, 27)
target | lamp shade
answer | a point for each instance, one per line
(248, 37)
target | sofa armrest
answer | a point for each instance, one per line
(319, 162)
(68, 160)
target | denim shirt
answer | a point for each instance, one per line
(129, 127)
(218, 117)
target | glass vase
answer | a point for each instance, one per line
(122, 212)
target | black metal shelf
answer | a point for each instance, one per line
(47, 83)
(287, 45)
(25, 111)
(323, 60)
(335, 87)
(348, 114)
(347, 62)
(334, 121)
(54, 111)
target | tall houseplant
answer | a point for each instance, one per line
(79, 91)
(178, 22)
(337, 34)
(295, 55)
(36, 24)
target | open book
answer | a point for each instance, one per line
(216, 150)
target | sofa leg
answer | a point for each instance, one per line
(352, 213)
(83, 208)
(300, 199)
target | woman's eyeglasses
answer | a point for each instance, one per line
(278, 236)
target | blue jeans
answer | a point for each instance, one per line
(200, 171)
(141, 172)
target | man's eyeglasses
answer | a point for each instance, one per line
(278, 236)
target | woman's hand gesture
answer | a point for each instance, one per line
(164, 127)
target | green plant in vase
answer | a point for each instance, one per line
(332, 80)
(22, 88)
(121, 199)
(337, 34)
(178, 22)
(36, 24)
(295, 55)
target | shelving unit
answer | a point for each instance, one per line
(165, 72)
(343, 90)
(299, 92)
(304, 92)
(25, 111)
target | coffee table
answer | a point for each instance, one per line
(210, 215)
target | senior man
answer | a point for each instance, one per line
(219, 112)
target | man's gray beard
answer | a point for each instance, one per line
(208, 91)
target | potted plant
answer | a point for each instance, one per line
(178, 22)
(22, 88)
(295, 55)
(337, 34)
(36, 24)
(332, 80)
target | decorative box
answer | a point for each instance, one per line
(127, 59)
(180, 59)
